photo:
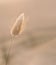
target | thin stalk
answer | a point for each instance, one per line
(10, 46)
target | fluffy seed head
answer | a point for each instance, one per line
(18, 26)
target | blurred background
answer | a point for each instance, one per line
(37, 44)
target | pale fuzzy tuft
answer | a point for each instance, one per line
(18, 26)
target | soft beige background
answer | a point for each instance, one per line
(37, 44)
